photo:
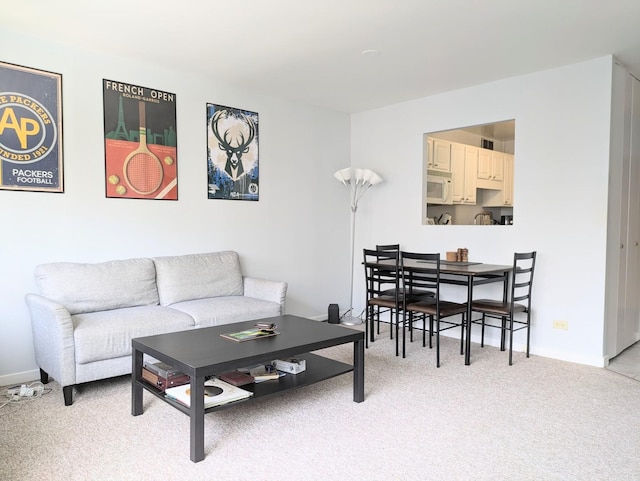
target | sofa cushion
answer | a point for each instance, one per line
(108, 334)
(198, 276)
(227, 309)
(98, 287)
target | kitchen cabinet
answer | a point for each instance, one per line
(504, 196)
(464, 167)
(507, 183)
(428, 155)
(490, 169)
(441, 155)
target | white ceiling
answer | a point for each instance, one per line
(311, 51)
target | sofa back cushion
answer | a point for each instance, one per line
(99, 287)
(198, 276)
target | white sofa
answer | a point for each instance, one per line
(85, 315)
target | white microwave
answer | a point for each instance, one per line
(439, 187)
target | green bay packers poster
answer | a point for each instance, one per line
(30, 129)
(232, 153)
(140, 142)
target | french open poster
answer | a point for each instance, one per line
(30, 129)
(140, 142)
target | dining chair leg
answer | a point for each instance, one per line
(397, 327)
(437, 341)
(482, 332)
(411, 326)
(510, 340)
(528, 332)
(371, 314)
(430, 332)
(424, 330)
(503, 334)
(370, 317)
(462, 331)
(366, 328)
(404, 336)
(392, 326)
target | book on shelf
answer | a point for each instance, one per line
(237, 378)
(249, 334)
(216, 393)
(162, 369)
(163, 383)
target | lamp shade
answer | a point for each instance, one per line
(366, 177)
(343, 175)
(375, 178)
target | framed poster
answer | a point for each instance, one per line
(30, 129)
(232, 153)
(140, 142)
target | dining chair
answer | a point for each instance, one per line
(387, 248)
(517, 302)
(383, 291)
(438, 311)
(413, 293)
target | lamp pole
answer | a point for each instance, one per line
(358, 184)
(352, 320)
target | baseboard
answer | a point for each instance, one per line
(597, 361)
(20, 378)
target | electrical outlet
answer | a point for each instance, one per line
(564, 325)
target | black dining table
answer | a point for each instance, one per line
(468, 274)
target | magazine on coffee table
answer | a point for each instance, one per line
(249, 334)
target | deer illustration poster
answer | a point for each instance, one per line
(140, 142)
(232, 153)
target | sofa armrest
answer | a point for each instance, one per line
(274, 291)
(52, 338)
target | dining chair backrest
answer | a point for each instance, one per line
(414, 280)
(388, 247)
(522, 278)
(382, 272)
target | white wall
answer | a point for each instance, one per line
(297, 232)
(561, 187)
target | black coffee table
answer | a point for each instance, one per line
(203, 352)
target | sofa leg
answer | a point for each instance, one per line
(67, 392)
(44, 377)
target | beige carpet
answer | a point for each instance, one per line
(539, 419)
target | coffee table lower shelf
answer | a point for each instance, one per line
(318, 369)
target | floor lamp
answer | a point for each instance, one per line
(358, 181)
